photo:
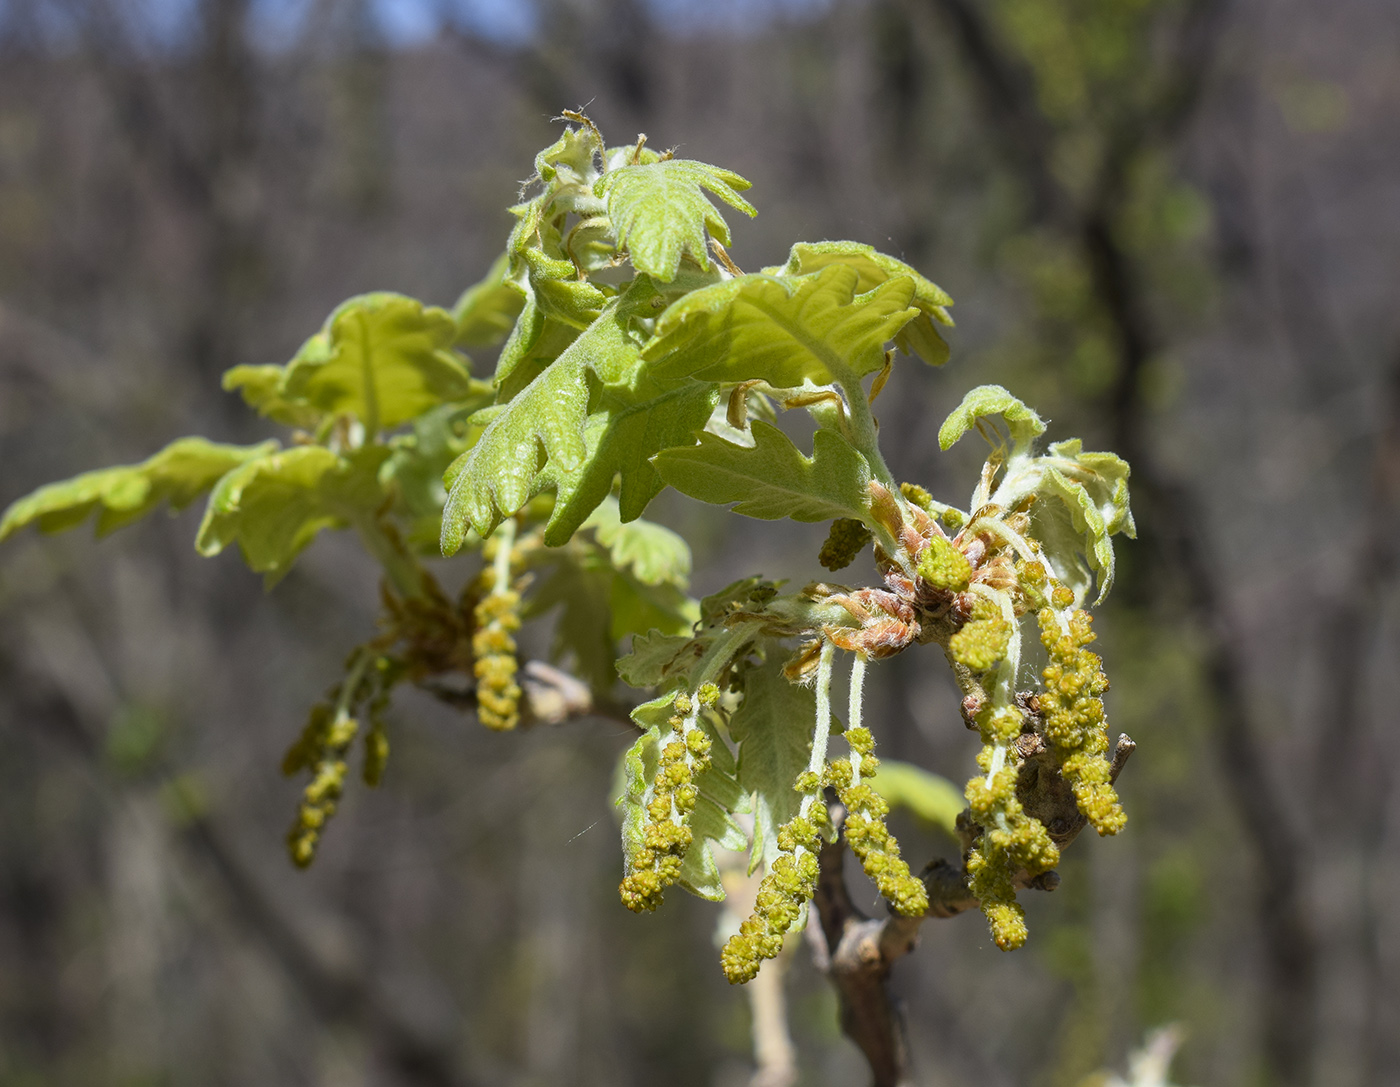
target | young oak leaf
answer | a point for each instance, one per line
(624, 430)
(773, 728)
(932, 798)
(178, 474)
(985, 400)
(783, 330)
(660, 212)
(274, 506)
(919, 336)
(772, 479)
(543, 424)
(383, 358)
(652, 553)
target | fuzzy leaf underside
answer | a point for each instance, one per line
(274, 506)
(986, 400)
(773, 727)
(654, 656)
(773, 479)
(660, 212)
(383, 358)
(920, 336)
(178, 474)
(785, 330)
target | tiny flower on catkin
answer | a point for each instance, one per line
(845, 541)
(980, 643)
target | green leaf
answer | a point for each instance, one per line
(653, 658)
(1024, 424)
(544, 423)
(638, 771)
(486, 311)
(660, 212)
(535, 342)
(625, 429)
(382, 358)
(415, 469)
(274, 506)
(932, 798)
(1092, 494)
(773, 727)
(178, 474)
(653, 553)
(262, 390)
(782, 329)
(920, 336)
(773, 479)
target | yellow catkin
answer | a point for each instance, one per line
(497, 618)
(655, 864)
(845, 541)
(868, 836)
(1073, 717)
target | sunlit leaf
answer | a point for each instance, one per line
(178, 474)
(784, 330)
(274, 506)
(920, 336)
(773, 478)
(660, 212)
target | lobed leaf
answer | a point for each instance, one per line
(660, 212)
(652, 553)
(772, 479)
(178, 474)
(784, 330)
(383, 358)
(543, 424)
(274, 506)
(920, 336)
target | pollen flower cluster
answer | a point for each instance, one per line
(685, 755)
(866, 833)
(497, 618)
(784, 891)
(1074, 725)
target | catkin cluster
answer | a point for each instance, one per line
(943, 566)
(497, 618)
(1011, 840)
(866, 833)
(844, 542)
(685, 754)
(321, 749)
(788, 886)
(1074, 724)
